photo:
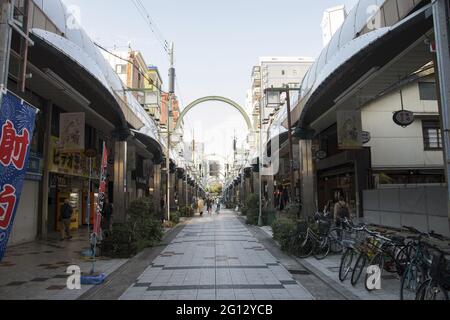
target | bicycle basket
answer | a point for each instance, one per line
(324, 226)
(440, 269)
(302, 227)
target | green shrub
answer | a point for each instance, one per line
(252, 209)
(269, 216)
(283, 230)
(141, 230)
(292, 211)
(187, 212)
(175, 217)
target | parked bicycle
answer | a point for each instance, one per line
(437, 287)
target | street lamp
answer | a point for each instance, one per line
(273, 99)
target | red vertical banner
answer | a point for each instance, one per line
(101, 191)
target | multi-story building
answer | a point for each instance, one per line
(275, 72)
(153, 96)
(144, 82)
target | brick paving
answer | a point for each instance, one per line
(216, 258)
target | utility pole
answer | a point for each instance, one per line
(261, 166)
(6, 16)
(441, 17)
(291, 148)
(169, 114)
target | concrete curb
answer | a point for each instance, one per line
(121, 279)
(327, 280)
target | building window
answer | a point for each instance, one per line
(432, 135)
(283, 73)
(121, 68)
(428, 91)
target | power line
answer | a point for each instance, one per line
(153, 27)
(134, 65)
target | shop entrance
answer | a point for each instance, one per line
(335, 183)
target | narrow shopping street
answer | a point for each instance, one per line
(215, 257)
(155, 151)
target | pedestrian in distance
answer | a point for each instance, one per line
(218, 207)
(66, 220)
(341, 211)
(162, 204)
(107, 215)
(201, 206)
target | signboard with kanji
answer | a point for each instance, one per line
(16, 131)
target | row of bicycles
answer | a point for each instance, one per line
(420, 260)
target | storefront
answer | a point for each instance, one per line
(73, 176)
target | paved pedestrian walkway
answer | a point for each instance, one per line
(37, 270)
(216, 258)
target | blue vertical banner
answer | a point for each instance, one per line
(16, 132)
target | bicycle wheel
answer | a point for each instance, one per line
(402, 259)
(306, 248)
(431, 291)
(346, 264)
(335, 240)
(358, 269)
(411, 280)
(322, 249)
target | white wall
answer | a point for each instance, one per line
(394, 146)
(26, 220)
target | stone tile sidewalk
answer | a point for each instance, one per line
(37, 270)
(216, 258)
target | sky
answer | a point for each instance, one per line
(216, 45)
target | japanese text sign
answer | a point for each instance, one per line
(16, 131)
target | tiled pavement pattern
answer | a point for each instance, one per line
(216, 258)
(37, 270)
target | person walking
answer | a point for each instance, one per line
(162, 205)
(107, 215)
(341, 211)
(66, 220)
(218, 206)
(209, 205)
(201, 206)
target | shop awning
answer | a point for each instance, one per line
(152, 146)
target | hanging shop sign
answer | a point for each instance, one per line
(73, 163)
(71, 131)
(17, 126)
(403, 118)
(366, 137)
(320, 155)
(349, 131)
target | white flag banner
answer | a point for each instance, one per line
(71, 131)
(349, 129)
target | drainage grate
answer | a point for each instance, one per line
(300, 272)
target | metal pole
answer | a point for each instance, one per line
(442, 35)
(5, 44)
(291, 149)
(261, 166)
(169, 113)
